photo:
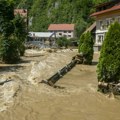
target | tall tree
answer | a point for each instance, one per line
(20, 32)
(12, 33)
(82, 37)
(86, 47)
(6, 16)
(108, 68)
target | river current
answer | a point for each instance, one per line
(76, 98)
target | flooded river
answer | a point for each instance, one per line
(76, 99)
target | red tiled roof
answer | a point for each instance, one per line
(22, 12)
(61, 27)
(116, 7)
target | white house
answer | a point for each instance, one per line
(63, 30)
(106, 14)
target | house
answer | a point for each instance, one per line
(22, 12)
(63, 30)
(106, 14)
(41, 39)
(91, 29)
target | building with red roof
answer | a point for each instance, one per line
(106, 14)
(22, 12)
(63, 30)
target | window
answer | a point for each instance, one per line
(69, 35)
(109, 21)
(69, 31)
(60, 34)
(33, 34)
(100, 39)
(101, 25)
(118, 19)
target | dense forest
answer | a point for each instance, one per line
(44, 12)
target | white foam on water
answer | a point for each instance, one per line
(7, 93)
(48, 67)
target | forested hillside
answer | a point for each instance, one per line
(44, 12)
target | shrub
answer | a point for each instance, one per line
(8, 50)
(86, 47)
(63, 42)
(82, 37)
(12, 33)
(108, 69)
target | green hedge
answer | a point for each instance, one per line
(86, 47)
(108, 69)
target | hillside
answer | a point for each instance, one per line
(44, 12)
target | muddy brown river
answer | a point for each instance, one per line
(75, 99)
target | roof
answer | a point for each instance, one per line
(91, 27)
(55, 27)
(22, 12)
(114, 8)
(41, 34)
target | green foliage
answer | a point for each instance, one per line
(20, 33)
(19, 27)
(45, 12)
(6, 16)
(25, 4)
(86, 47)
(63, 42)
(108, 68)
(12, 33)
(82, 37)
(21, 49)
(8, 50)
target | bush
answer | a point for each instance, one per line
(8, 50)
(82, 37)
(108, 69)
(22, 49)
(12, 33)
(63, 42)
(86, 47)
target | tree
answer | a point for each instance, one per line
(86, 47)
(20, 32)
(108, 69)
(63, 42)
(8, 50)
(45, 12)
(82, 37)
(6, 16)
(12, 33)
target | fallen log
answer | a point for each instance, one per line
(63, 71)
(52, 80)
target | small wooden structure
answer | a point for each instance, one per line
(41, 39)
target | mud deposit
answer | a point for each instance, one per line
(76, 98)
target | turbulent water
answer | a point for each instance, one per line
(76, 98)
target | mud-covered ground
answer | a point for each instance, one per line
(24, 98)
